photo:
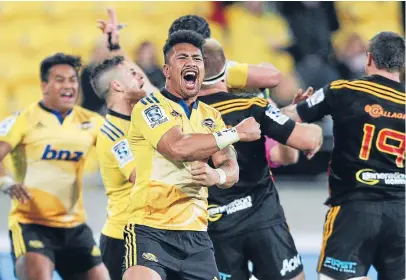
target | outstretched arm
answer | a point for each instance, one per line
(111, 32)
(263, 75)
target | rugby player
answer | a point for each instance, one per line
(116, 81)
(172, 135)
(239, 76)
(366, 222)
(49, 142)
(248, 218)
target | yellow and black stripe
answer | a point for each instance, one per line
(149, 99)
(239, 104)
(111, 131)
(328, 231)
(375, 89)
(18, 240)
(130, 258)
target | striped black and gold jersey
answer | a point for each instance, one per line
(369, 137)
(231, 208)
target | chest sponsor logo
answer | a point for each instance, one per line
(53, 154)
(371, 177)
(216, 211)
(377, 111)
(340, 266)
(154, 116)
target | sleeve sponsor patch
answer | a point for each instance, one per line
(316, 98)
(122, 152)
(275, 114)
(154, 116)
(7, 124)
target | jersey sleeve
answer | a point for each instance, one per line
(13, 129)
(273, 123)
(152, 121)
(316, 106)
(237, 74)
(219, 123)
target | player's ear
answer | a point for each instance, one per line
(117, 86)
(44, 88)
(369, 59)
(165, 70)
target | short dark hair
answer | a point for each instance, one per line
(182, 36)
(58, 59)
(191, 22)
(96, 74)
(388, 51)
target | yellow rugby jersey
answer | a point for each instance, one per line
(116, 165)
(237, 74)
(48, 156)
(164, 196)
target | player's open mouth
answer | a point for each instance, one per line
(67, 95)
(190, 78)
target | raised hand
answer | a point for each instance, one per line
(300, 95)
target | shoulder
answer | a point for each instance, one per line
(208, 110)
(85, 114)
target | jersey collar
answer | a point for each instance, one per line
(57, 114)
(118, 115)
(180, 101)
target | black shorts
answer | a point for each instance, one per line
(113, 251)
(360, 234)
(186, 255)
(271, 250)
(72, 250)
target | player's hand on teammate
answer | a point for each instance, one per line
(19, 192)
(248, 130)
(300, 95)
(203, 174)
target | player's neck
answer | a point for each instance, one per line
(50, 106)
(395, 76)
(122, 108)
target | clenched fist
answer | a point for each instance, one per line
(248, 130)
(203, 174)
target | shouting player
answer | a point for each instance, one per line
(116, 81)
(366, 222)
(49, 142)
(239, 76)
(248, 218)
(172, 135)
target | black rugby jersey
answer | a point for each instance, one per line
(369, 137)
(254, 196)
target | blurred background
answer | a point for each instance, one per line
(312, 43)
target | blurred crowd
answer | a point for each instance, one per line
(312, 43)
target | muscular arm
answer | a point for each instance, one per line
(187, 147)
(263, 75)
(226, 159)
(306, 137)
(284, 155)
